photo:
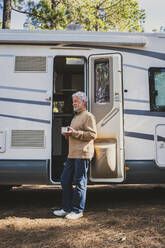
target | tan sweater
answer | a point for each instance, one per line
(81, 142)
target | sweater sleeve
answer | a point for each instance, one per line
(89, 132)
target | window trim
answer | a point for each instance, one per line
(153, 92)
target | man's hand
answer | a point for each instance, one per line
(69, 132)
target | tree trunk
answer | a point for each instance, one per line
(54, 5)
(6, 14)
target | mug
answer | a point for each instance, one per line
(64, 129)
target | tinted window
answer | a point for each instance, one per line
(102, 81)
(157, 89)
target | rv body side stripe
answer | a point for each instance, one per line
(144, 136)
(25, 118)
(22, 89)
(143, 112)
(6, 55)
(136, 67)
(139, 135)
(135, 100)
(24, 101)
(160, 138)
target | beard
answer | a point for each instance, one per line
(78, 108)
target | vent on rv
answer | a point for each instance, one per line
(74, 27)
(27, 138)
(30, 63)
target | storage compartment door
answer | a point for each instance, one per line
(160, 145)
(105, 94)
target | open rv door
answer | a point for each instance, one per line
(105, 94)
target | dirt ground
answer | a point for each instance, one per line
(120, 216)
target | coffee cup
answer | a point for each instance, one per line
(64, 130)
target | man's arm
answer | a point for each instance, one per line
(89, 132)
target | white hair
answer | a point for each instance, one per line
(81, 95)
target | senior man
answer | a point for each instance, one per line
(81, 134)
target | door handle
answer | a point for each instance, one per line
(161, 145)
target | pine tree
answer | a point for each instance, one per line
(93, 15)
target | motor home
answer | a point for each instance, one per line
(123, 75)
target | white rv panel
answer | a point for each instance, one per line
(26, 106)
(160, 145)
(2, 141)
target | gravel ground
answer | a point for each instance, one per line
(119, 216)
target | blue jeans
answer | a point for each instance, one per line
(75, 172)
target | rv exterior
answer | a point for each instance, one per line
(123, 75)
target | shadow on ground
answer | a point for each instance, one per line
(116, 216)
(98, 198)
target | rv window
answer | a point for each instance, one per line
(74, 61)
(157, 89)
(102, 81)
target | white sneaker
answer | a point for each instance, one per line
(60, 213)
(74, 216)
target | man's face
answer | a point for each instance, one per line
(78, 105)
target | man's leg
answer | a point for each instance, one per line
(80, 181)
(66, 182)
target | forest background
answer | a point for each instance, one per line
(92, 15)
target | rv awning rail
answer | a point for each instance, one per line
(71, 37)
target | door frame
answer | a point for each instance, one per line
(53, 91)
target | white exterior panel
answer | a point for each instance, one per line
(24, 106)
